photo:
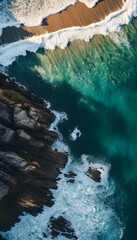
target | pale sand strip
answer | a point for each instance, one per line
(77, 15)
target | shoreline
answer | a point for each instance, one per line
(29, 168)
(60, 39)
(77, 15)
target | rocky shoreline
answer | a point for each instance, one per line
(29, 168)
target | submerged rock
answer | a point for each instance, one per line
(71, 176)
(61, 226)
(95, 174)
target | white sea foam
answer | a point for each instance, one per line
(90, 3)
(31, 13)
(113, 22)
(48, 105)
(86, 204)
(60, 117)
(121, 39)
(59, 144)
(75, 134)
(6, 17)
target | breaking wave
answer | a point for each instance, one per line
(31, 13)
(61, 38)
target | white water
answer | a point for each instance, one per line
(6, 17)
(75, 134)
(59, 144)
(31, 13)
(112, 23)
(86, 204)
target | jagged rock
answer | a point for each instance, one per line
(61, 226)
(71, 176)
(12, 159)
(17, 110)
(27, 203)
(71, 181)
(2, 131)
(2, 127)
(18, 105)
(28, 166)
(6, 178)
(95, 174)
(4, 115)
(22, 120)
(49, 139)
(33, 113)
(36, 164)
(53, 134)
(24, 138)
(3, 189)
(8, 136)
(3, 106)
(21, 116)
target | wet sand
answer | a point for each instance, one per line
(77, 15)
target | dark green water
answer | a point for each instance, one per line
(95, 83)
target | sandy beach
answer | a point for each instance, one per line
(77, 15)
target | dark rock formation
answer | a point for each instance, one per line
(61, 226)
(28, 166)
(94, 173)
(71, 176)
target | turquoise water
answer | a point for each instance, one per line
(95, 83)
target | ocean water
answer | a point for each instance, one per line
(93, 85)
(90, 81)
